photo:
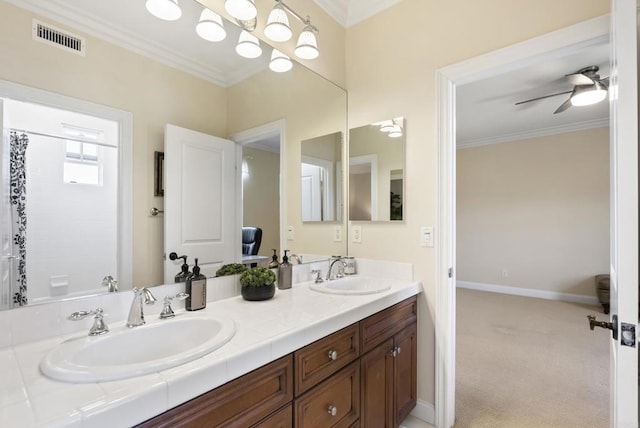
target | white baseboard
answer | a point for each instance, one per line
(425, 411)
(529, 292)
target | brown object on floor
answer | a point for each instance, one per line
(603, 282)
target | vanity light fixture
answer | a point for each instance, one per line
(386, 126)
(280, 63)
(210, 26)
(396, 132)
(169, 10)
(277, 28)
(248, 45)
(585, 95)
(307, 47)
(243, 10)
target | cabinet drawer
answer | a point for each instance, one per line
(241, 402)
(381, 326)
(321, 359)
(283, 418)
(333, 403)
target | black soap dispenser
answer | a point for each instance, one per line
(273, 264)
(184, 270)
(284, 273)
(196, 288)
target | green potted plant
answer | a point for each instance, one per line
(258, 283)
(231, 269)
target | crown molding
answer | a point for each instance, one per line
(93, 26)
(534, 133)
(337, 9)
(351, 12)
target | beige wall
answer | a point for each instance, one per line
(391, 59)
(312, 107)
(108, 75)
(261, 197)
(537, 208)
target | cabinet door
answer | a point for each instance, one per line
(405, 372)
(376, 374)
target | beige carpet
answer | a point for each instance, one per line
(524, 362)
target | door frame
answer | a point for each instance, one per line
(510, 58)
(251, 135)
(124, 119)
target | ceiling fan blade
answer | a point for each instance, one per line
(542, 97)
(565, 105)
(578, 79)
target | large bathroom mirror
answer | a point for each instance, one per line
(321, 178)
(376, 171)
(127, 60)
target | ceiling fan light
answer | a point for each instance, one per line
(169, 10)
(277, 28)
(248, 45)
(210, 26)
(307, 47)
(588, 95)
(280, 63)
(243, 10)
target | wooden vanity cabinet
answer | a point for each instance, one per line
(389, 368)
(361, 376)
(243, 402)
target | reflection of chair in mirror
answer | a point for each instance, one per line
(251, 240)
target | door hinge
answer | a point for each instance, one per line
(450, 272)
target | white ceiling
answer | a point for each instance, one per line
(486, 112)
(351, 12)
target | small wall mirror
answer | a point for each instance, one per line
(321, 178)
(376, 171)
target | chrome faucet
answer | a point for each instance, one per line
(140, 297)
(296, 257)
(99, 326)
(338, 275)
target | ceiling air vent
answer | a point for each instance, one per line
(54, 36)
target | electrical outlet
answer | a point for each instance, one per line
(337, 234)
(290, 233)
(356, 234)
(426, 236)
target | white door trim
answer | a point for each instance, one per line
(278, 127)
(500, 61)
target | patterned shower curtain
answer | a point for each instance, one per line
(18, 202)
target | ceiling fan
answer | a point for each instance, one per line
(588, 88)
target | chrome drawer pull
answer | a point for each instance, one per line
(399, 349)
(333, 355)
(332, 410)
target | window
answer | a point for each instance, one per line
(82, 163)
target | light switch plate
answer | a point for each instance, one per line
(356, 234)
(337, 234)
(426, 236)
(290, 233)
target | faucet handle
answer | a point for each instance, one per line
(99, 326)
(110, 283)
(167, 311)
(318, 273)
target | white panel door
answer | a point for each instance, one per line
(311, 192)
(624, 213)
(199, 192)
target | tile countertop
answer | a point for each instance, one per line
(265, 331)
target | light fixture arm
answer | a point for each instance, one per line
(306, 21)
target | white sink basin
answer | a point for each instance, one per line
(353, 285)
(128, 352)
